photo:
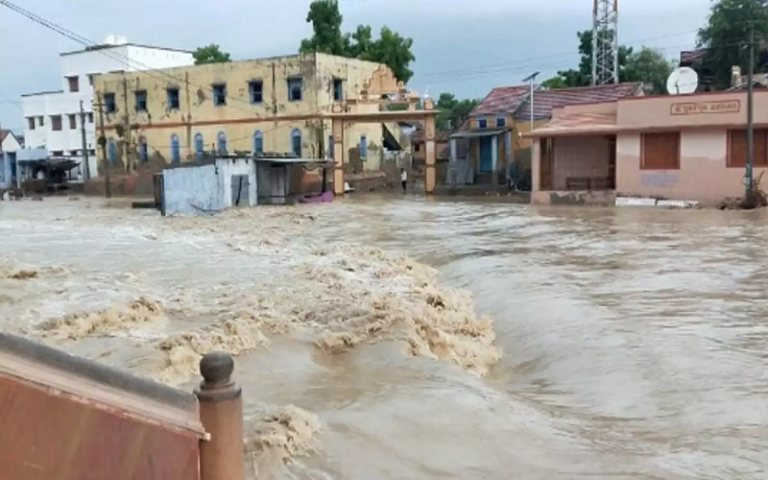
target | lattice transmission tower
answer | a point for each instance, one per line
(605, 42)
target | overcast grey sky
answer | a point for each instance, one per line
(465, 47)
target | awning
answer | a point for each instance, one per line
(577, 124)
(479, 133)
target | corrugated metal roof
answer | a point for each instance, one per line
(577, 124)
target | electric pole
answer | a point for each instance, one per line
(750, 108)
(103, 146)
(87, 170)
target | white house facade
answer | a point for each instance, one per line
(52, 120)
(9, 145)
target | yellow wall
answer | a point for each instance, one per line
(276, 117)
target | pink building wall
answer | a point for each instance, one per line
(703, 121)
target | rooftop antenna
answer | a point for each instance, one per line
(605, 42)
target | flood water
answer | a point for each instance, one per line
(399, 337)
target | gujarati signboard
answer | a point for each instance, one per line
(696, 108)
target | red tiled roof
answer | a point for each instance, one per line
(502, 100)
(545, 100)
(689, 57)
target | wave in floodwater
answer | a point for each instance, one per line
(339, 296)
(369, 333)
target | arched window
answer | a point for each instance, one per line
(258, 143)
(363, 147)
(199, 145)
(175, 149)
(112, 151)
(143, 150)
(296, 142)
(222, 143)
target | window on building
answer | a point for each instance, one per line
(110, 105)
(90, 78)
(295, 86)
(143, 150)
(90, 117)
(175, 150)
(220, 94)
(174, 100)
(72, 121)
(112, 151)
(57, 153)
(416, 147)
(199, 145)
(256, 91)
(40, 121)
(501, 122)
(74, 83)
(661, 151)
(258, 143)
(31, 123)
(56, 123)
(363, 147)
(296, 142)
(330, 147)
(482, 123)
(221, 143)
(737, 148)
(141, 100)
(338, 89)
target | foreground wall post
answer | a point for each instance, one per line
(221, 413)
(429, 144)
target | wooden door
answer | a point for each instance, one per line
(546, 163)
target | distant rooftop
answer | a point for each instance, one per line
(114, 41)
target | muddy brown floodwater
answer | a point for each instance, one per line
(390, 337)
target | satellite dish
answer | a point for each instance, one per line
(682, 81)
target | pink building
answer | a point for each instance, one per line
(685, 147)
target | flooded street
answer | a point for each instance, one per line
(388, 337)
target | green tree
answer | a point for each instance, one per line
(210, 54)
(649, 66)
(726, 37)
(453, 112)
(390, 48)
(582, 76)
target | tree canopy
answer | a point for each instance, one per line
(453, 112)
(646, 65)
(390, 48)
(726, 37)
(210, 54)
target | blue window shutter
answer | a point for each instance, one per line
(296, 142)
(143, 150)
(258, 142)
(199, 145)
(222, 143)
(363, 147)
(175, 149)
(330, 147)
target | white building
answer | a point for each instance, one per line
(52, 119)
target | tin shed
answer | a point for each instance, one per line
(209, 186)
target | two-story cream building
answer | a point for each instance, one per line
(275, 105)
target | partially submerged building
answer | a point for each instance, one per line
(684, 147)
(491, 142)
(54, 120)
(171, 116)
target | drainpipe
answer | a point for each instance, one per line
(221, 413)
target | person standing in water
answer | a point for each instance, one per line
(404, 179)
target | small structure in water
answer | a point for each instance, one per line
(212, 184)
